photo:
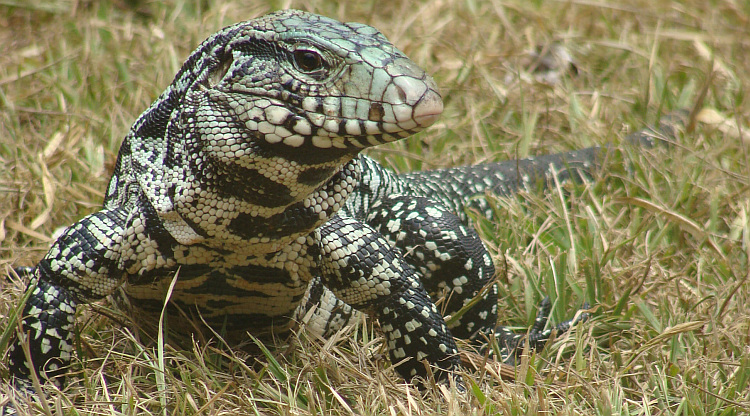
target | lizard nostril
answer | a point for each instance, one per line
(401, 94)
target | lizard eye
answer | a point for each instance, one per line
(308, 60)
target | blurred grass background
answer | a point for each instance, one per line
(661, 249)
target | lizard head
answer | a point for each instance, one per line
(307, 88)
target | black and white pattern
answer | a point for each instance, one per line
(245, 175)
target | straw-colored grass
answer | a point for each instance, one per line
(661, 249)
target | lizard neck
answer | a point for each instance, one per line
(258, 205)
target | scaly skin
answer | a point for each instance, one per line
(244, 180)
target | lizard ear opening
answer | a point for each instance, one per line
(217, 72)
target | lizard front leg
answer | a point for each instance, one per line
(358, 265)
(82, 265)
(448, 256)
(47, 327)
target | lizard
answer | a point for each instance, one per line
(244, 185)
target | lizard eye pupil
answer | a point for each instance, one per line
(307, 60)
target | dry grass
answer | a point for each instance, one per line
(662, 250)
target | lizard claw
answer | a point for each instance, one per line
(512, 343)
